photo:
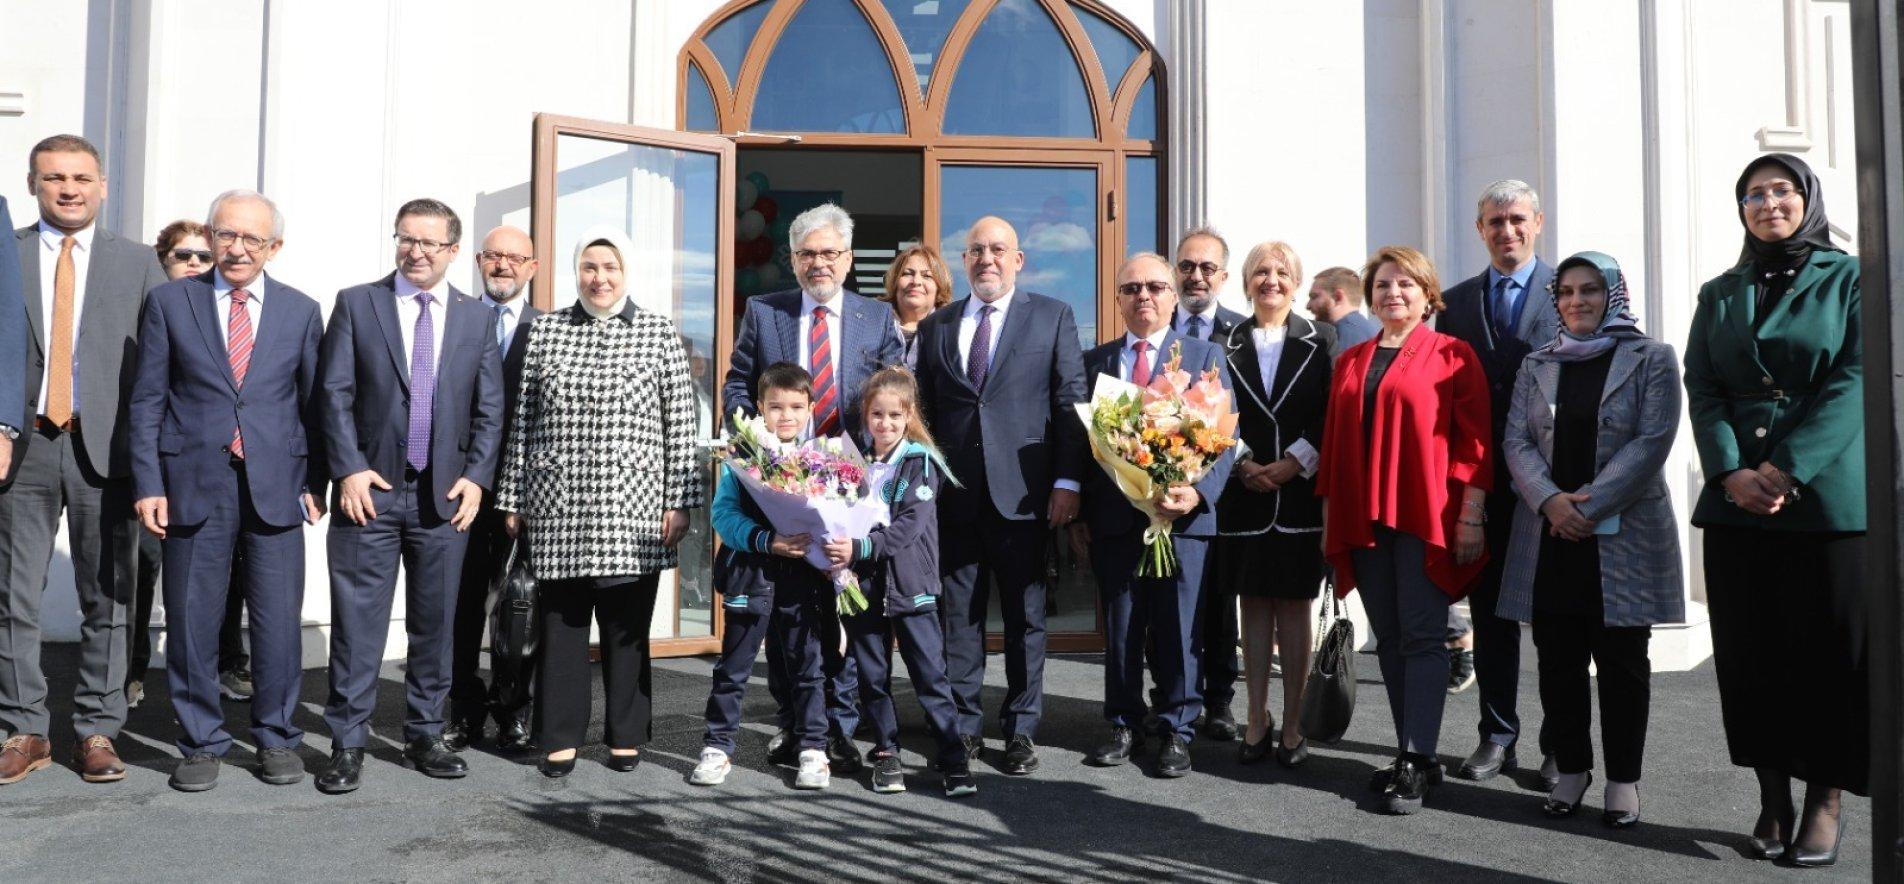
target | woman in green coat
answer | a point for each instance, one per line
(1775, 388)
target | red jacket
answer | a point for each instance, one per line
(1430, 438)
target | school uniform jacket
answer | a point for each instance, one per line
(901, 558)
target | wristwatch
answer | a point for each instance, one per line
(8, 431)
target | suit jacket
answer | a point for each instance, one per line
(1020, 433)
(185, 404)
(1226, 319)
(512, 364)
(13, 345)
(1107, 512)
(1790, 391)
(1466, 317)
(118, 275)
(365, 403)
(1352, 329)
(1639, 416)
(1270, 420)
(770, 333)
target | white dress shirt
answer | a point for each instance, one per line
(1209, 321)
(254, 305)
(49, 265)
(511, 317)
(968, 328)
(1127, 357)
(408, 310)
(1269, 355)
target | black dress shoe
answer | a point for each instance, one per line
(456, 737)
(623, 763)
(1487, 762)
(1118, 750)
(1250, 753)
(1379, 780)
(783, 748)
(1557, 807)
(514, 738)
(344, 774)
(1765, 848)
(1219, 724)
(556, 769)
(430, 756)
(198, 773)
(1409, 788)
(1799, 857)
(280, 766)
(1173, 760)
(1292, 758)
(1020, 757)
(842, 757)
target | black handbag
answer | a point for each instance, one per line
(1328, 697)
(514, 628)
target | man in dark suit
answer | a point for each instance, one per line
(412, 407)
(1203, 260)
(1112, 536)
(222, 436)
(841, 339)
(507, 263)
(1503, 313)
(82, 288)
(12, 346)
(998, 373)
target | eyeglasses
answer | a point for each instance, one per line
(426, 246)
(184, 255)
(252, 243)
(1188, 267)
(996, 250)
(1775, 196)
(1133, 289)
(488, 257)
(808, 256)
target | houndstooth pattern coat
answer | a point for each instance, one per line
(602, 444)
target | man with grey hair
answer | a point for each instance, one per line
(82, 289)
(222, 443)
(1203, 261)
(1503, 312)
(841, 339)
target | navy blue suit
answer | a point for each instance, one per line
(1164, 608)
(365, 408)
(12, 328)
(1007, 444)
(185, 406)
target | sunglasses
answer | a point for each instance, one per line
(184, 255)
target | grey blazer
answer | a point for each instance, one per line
(1639, 416)
(118, 275)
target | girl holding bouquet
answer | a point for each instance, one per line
(898, 564)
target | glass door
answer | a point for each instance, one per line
(673, 194)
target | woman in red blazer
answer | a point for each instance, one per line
(1405, 467)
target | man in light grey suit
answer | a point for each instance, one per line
(1503, 313)
(83, 291)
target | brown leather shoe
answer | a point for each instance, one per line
(97, 761)
(23, 754)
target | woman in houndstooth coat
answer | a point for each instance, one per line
(598, 476)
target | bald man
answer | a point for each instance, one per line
(506, 264)
(998, 373)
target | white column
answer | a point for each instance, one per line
(1187, 65)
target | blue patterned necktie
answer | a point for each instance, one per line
(502, 333)
(1195, 326)
(422, 383)
(978, 361)
(1503, 314)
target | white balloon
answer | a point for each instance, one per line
(745, 195)
(752, 224)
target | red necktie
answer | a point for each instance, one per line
(826, 412)
(238, 344)
(1140, 367)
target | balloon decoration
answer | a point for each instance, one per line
(760, 235)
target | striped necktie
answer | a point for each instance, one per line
(826, 411)
(238, 346)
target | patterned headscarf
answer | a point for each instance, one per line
(1618, 321)
(624, 249)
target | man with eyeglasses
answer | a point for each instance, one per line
(412, 407)
(506, 264)
(65, 450)
(1503, 313)
(1203, 260)
(223, 462)
(841, 338)
(999, 372)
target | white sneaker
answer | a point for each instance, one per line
(712, 771)
(815, 773)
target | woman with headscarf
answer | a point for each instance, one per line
(1775, 381)
(1593, 558)
(598, 476)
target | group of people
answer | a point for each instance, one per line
(1501, 441)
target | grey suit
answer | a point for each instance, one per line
(1639, 416)
(83, 471)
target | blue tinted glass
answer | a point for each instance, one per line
(924, 24)
(1140, 206)
(729, 39)
(1054, 212)
(701, 114)
(828, 73)
(1019, 77)
(1143, 116)
(1115, 49)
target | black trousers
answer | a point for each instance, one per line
(483, 561)
(1497, 640)
(1216, 681)
(1566, 644)
(981, 551)
(622, 607)
(231, 636)
(1789, 647)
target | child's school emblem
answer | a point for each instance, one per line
(925, 493)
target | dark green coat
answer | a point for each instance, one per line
(1791, 392)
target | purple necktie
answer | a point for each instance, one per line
(978, 360)
(422, 383)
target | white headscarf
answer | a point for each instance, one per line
(624, 248)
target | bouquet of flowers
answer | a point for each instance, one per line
(1151, 438)
(820, 487)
